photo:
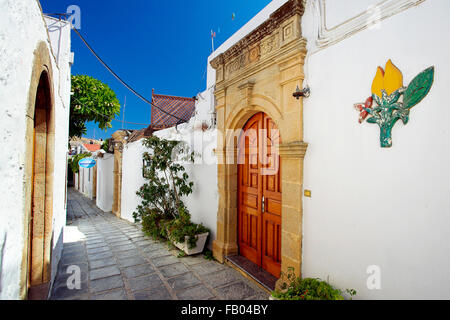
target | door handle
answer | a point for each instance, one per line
(263, 204)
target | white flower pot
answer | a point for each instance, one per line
(201, 241)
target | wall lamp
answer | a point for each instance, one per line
(306, 92)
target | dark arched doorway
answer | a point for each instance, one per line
(40, 228)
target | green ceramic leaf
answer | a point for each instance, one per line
(372, 120)
(418, 88)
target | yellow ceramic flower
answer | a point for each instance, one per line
(393, 78)
(390, 81)
(378, 82)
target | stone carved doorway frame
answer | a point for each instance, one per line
(260, 74)
(38, 180)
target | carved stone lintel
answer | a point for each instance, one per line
(252, 47)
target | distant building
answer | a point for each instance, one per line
(82, 145)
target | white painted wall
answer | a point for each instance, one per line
(76, 181)
(374, 206)
(87, 177)
(105, 182)
(132, 178)
(203, 203)
(22, 26)
(87, 180)
(60, 38)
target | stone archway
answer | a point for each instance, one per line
(39, 168)
(260, 74)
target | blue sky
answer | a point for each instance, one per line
(151, 44)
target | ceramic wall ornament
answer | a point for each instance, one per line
(391, 101)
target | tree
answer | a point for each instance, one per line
(92, 100)
(167, 181)
(75, 160)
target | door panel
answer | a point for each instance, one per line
(271, 246)
(259, 194)
(249, 193)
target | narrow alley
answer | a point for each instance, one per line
(118, 262)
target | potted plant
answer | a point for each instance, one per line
(162, 212)
(296, 288)
(186, 235)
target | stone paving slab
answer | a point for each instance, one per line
(153, 294)
(118, 262)
(147, 282)
(184, 281)
(196, 293)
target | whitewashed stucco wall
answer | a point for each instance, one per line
(374, 206)
(88, 181)
(203, 203)
(87, 177)
(60, 38)
(105, 182)
(132, 178)
(22, 27)
(76, 178)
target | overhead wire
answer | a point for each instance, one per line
(121, 80)
(118, 77)
(180, 120)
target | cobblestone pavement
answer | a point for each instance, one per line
(118, 262)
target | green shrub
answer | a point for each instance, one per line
(162, 211)
(308, 289)
(183, 227)
(74, 161)
(166, 179)
(153, 224)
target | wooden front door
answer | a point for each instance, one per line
(259, 194)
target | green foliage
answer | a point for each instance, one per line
(209, 255)
(92, 100)
(162, 212)
(105, 145)
(153, 224)
(390, 108)
(182, 227)
(418, 88)
(73, 162)
(308, 289)
(167, 180)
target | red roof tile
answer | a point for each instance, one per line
(182, 108)
(92, 147)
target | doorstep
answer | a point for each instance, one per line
(252, 271)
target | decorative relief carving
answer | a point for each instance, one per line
(270, 44)
(254, 54)
(262, 41)
(246, 58)
(288, 32)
